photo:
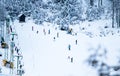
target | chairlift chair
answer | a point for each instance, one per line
(4, 45)
(8, 64)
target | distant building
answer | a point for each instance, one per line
(22, 18)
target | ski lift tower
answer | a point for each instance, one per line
(7, 35)
(12, 45)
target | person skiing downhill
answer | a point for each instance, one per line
(57, 34)
(32, 28)
(37, 32)
(49, 31)
(53, 38)
(72, 60)
(44, 32)
(76, 42)
(69, 47)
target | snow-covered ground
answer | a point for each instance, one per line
(48, 55)
(46, 48)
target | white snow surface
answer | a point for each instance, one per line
(46, 56)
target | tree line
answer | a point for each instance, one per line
(62, 12)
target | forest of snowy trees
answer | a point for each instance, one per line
(62, 12)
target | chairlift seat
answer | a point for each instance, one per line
(4, 45)
(8, 64)
(20, 71)
(0, 55)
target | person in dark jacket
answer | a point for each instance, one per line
(69, 47)
(32, 28)
(49, 31)
(57, 34)
(76, 42)
(72, 60)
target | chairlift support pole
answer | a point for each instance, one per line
(7, 38)
(12, 45)
(3, 36)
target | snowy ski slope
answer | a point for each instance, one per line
(48, 55)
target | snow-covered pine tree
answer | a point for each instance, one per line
(116, 13)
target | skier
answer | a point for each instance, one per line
(54, 38)
(44, 32)
(72, 60)
(37, 32)
(32, 28)
(76, 42)
(55, 28)
(69, 47)
(57, 34)
(49, 31)
(68, 57)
